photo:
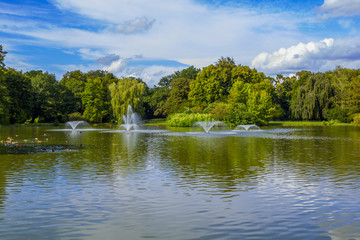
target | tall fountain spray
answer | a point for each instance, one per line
(75, 124)
(207, 125)
(130, 120)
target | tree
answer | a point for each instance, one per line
(353, 92)
(96, 100)
(213, 83)
(283, 93)
(52, 100)
(177, 91)
(2, 56)
(4, 94)
(313, 99)
(260, 107)
(96, 74)
(158, 96)
(20, 97)
(127, 91)
(4, 100)
(251, 103)
(75, 81)
(178, 95)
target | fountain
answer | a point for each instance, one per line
(207, 125)
(130, 120)
(75, 124)
(247, 127)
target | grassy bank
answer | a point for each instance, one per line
(307, 123)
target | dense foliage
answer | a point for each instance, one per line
(222, 91)
(187, 119)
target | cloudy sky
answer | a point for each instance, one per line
(153, 38)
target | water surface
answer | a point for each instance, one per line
(298, 183)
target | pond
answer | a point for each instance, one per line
(273, 183)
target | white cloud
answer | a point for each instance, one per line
(178, 30)
(116, 66)
(152, 74)
(199, 62)
(25, 10)
(118, 11)
(149, 74)
(188, 32)
(314, 56)
(337, 8)
(137, 25)
(18, 62)
(89, 54)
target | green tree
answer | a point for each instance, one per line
(96, 100)
(52, 100)
(261, 107)
(251, 103)
(2, 56)
(127, 91)
(156, 99)
(313, 99)
(159, 95)
(353, 93)
(283, 93)
(213, 83)
(341, 79)
(75, 81)
(4, 100)
(20, 97)
(178, 95)
(4, 94)
(96, 74)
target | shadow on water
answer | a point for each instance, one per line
(15, 149)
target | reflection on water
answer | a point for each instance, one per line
(272, 184)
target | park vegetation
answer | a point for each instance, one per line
(223, 91)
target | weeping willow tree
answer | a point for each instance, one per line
(127, 91)
(313, 99)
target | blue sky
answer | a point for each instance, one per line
(153, 38)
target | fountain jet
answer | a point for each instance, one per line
(247, 127)
(130, 120)
(75, 124)
(207, 125)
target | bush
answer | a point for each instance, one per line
(187, 119)
(219, 110)
(76, 116)
(238, 114)
(338, 114)
(356, 121)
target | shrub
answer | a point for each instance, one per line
(187, 119)
(76, 116)
(339, 114)
(219, 110)
(356, 120)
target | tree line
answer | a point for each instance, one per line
(235, 94)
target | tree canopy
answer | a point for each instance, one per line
(225, 91)
(127, 91)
